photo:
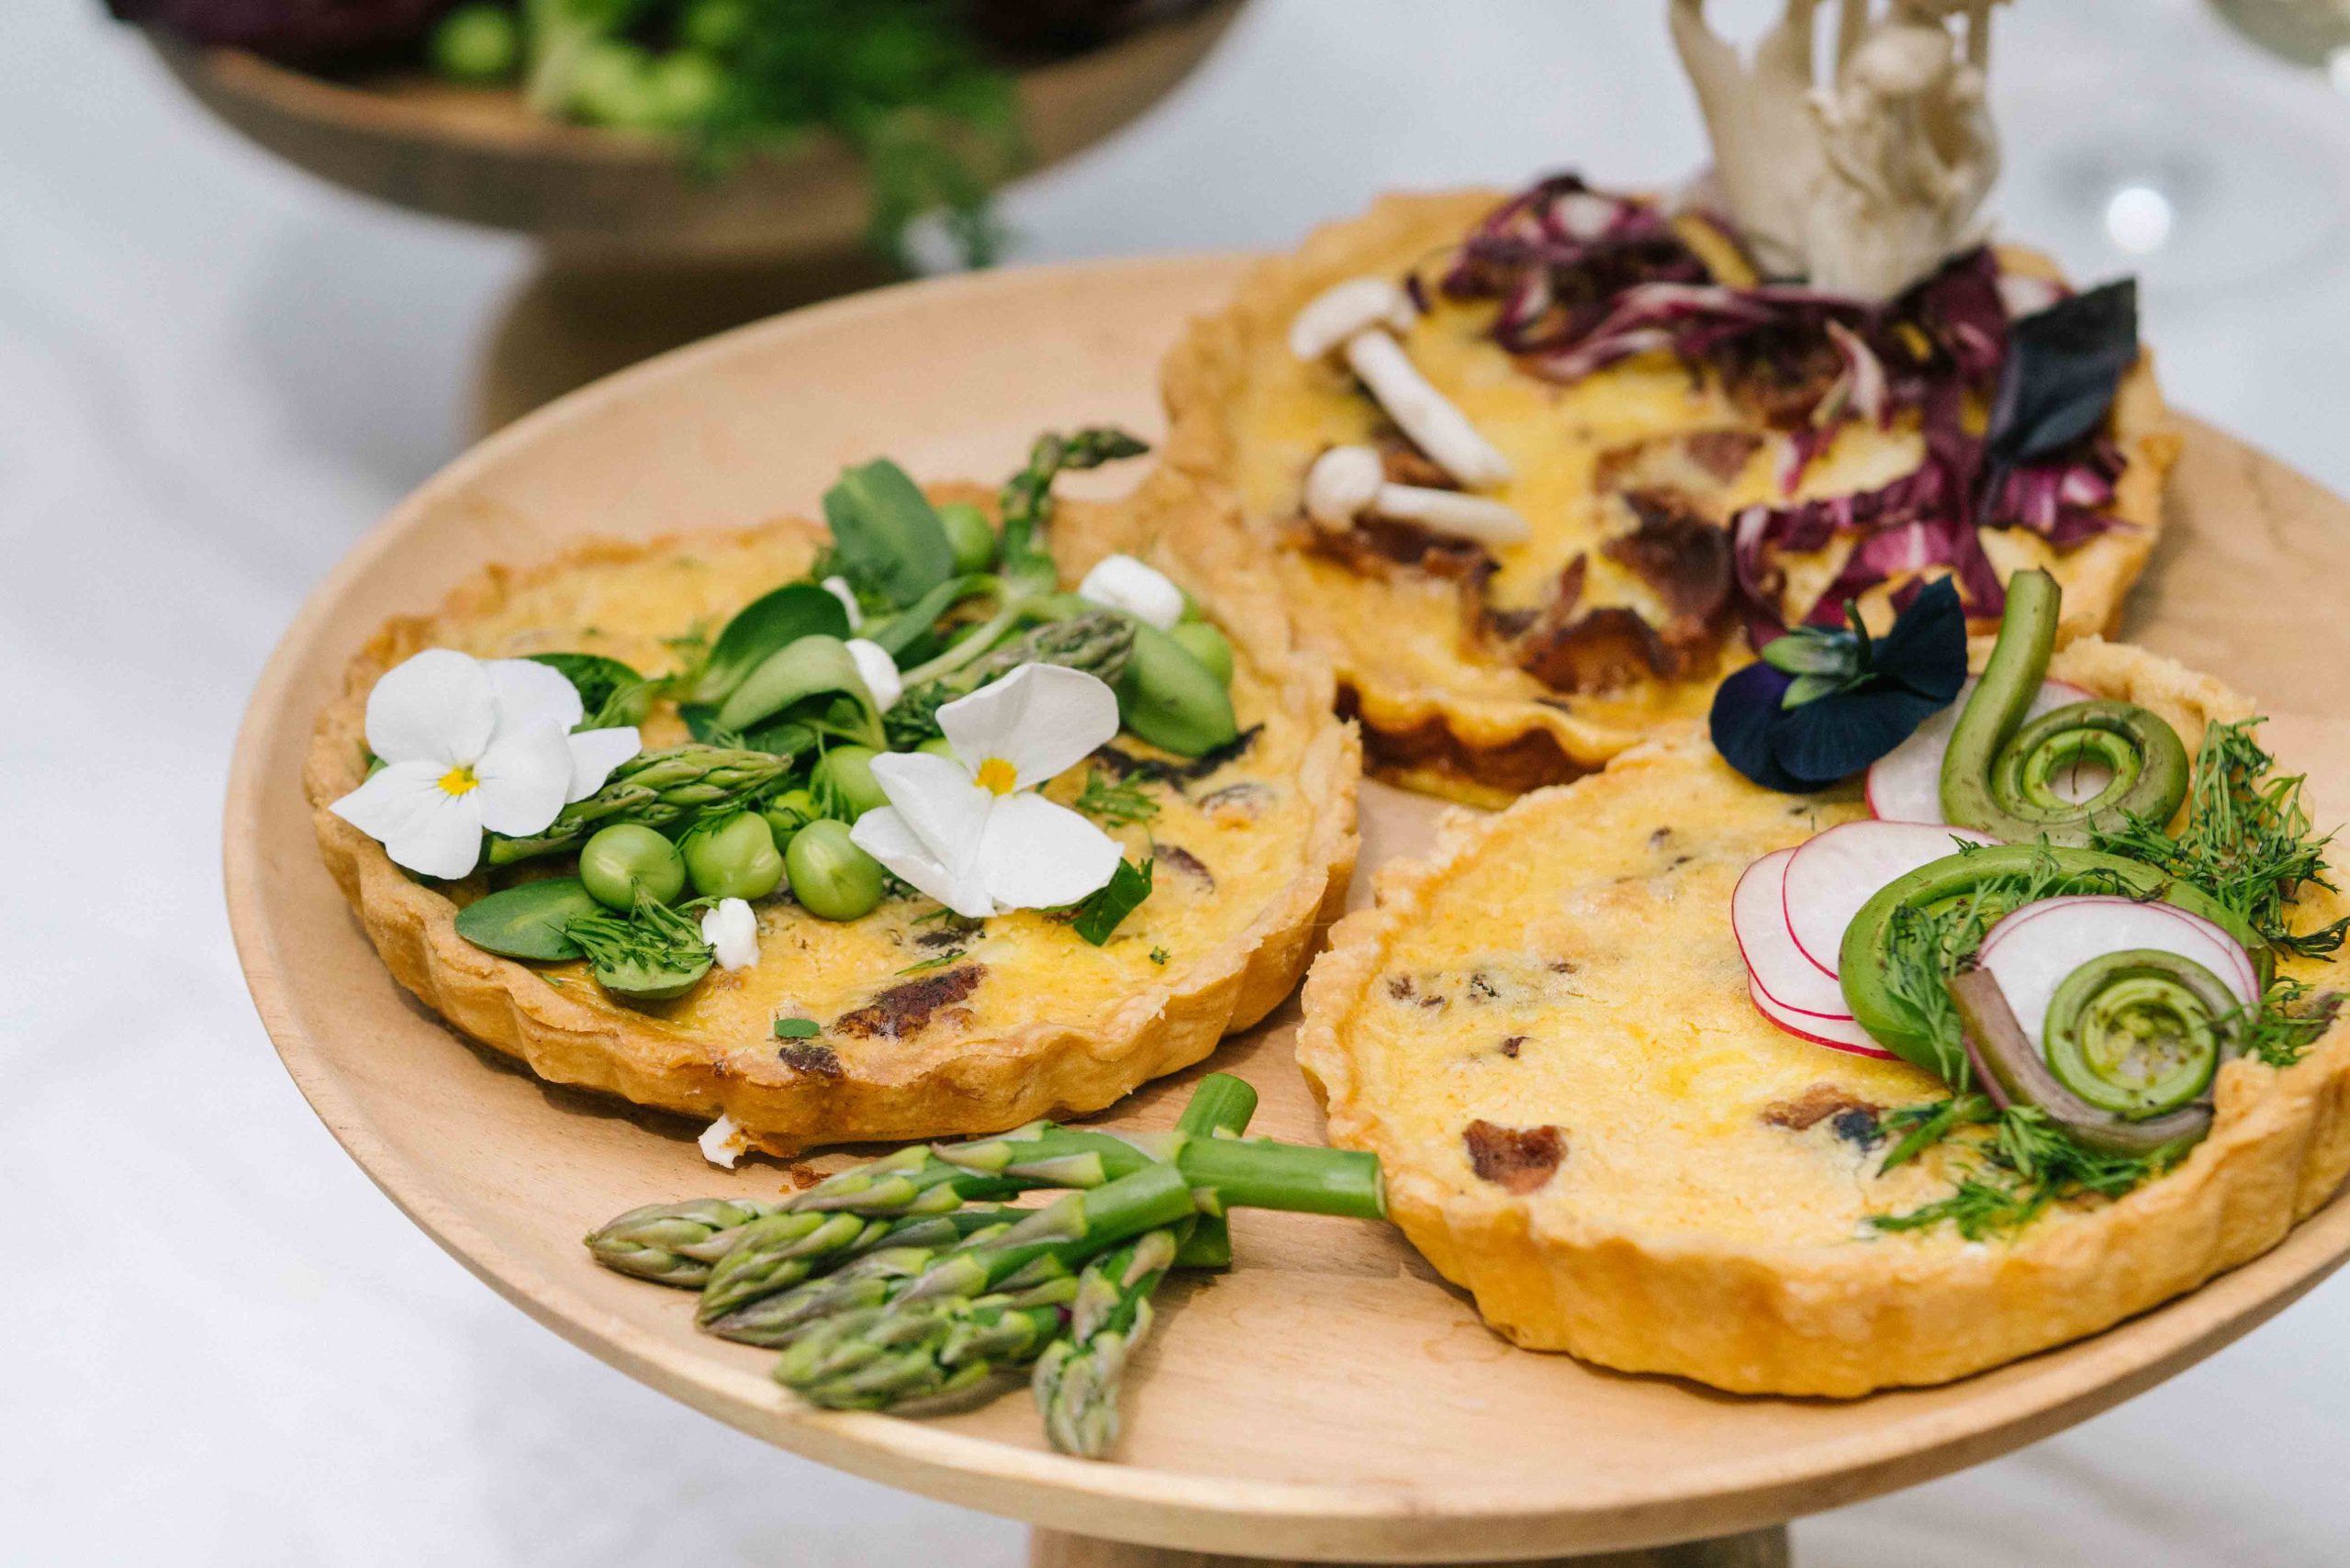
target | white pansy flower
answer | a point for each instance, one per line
(1121, 582)
(468, 745)
(838, 587)
(969, 830)
(878, 671)
(732, 932)
(723, 1142)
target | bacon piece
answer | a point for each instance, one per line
(1684, 557)
(908, 1008)
(1605, 650)
(818, 1061)
(1516, 1159)
(1723, 454)
(1815, 1105)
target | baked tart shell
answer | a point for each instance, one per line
(942, 1082)
(1838, 1318)
(1486, 748)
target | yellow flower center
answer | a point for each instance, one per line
(459, 780)
(998, 776)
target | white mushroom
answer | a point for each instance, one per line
(1347, 483)
(1356, 318)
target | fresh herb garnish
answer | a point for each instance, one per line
(936, 961)
(1823, 703)
(610, 691)
(1158, 956)
(2247, 841)
(1118, 803)
(652, 954)
(796, 1029)
(2029, 1163)
(1099, 915)
(886, 539)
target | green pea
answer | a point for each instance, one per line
(736, 860)
(1208, 645)
(939, 745)
(715, 26)
(614, 86)
(843, 782)
(628, 857)
(1171, 699)
(789, 812)
(970, 535)
(831, 877)
(477, 43)
(684, 88)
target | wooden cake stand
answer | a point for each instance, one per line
(1330, 1399)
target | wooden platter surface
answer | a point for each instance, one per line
(1331, 1397)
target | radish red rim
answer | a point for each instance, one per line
(1757, 904)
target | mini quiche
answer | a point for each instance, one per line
(1618, 1101)
(842, 1005)
(1531, 470)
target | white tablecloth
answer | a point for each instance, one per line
(214, 373)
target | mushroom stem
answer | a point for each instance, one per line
(1357, 318)
(1426, 415)
(1346, 484)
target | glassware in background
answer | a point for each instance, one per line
(2141, 136)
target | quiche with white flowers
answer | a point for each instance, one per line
(933, 819)
(1535, 470)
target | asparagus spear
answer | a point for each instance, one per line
(673, 1244)
(989, 1304)
(938, 1179)
(655, 788)
(1025, 503)
(773, 1254)
(1078, 1378)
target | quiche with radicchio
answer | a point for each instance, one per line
(1666, 459)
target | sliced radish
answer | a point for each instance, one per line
(1905, 784)
(2031, 951)
(1758, 917)
(1836, 1034)
(1835, 873)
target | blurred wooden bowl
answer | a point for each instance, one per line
(476, 154)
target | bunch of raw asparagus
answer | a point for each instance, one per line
(909, 1279)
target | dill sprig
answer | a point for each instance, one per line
(2247, 841)
(1118, 803)
(2028, 1163)
(2288, 1021)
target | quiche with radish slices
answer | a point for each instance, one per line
(1534, 470)
(1814, 1087)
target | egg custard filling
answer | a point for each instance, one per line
(835, 845)
(1897, 1025)
(1534, 471)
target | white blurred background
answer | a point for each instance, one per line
(215, 373)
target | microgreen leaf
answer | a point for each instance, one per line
(1099, 915)
(771, 621)
(886, 536)
(796, 1029)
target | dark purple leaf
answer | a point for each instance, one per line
(2063, 368)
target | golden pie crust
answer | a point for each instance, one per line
(1439, 713)
(1052, 1025)
(1705, 1214)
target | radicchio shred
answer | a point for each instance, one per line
(1587, 278)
